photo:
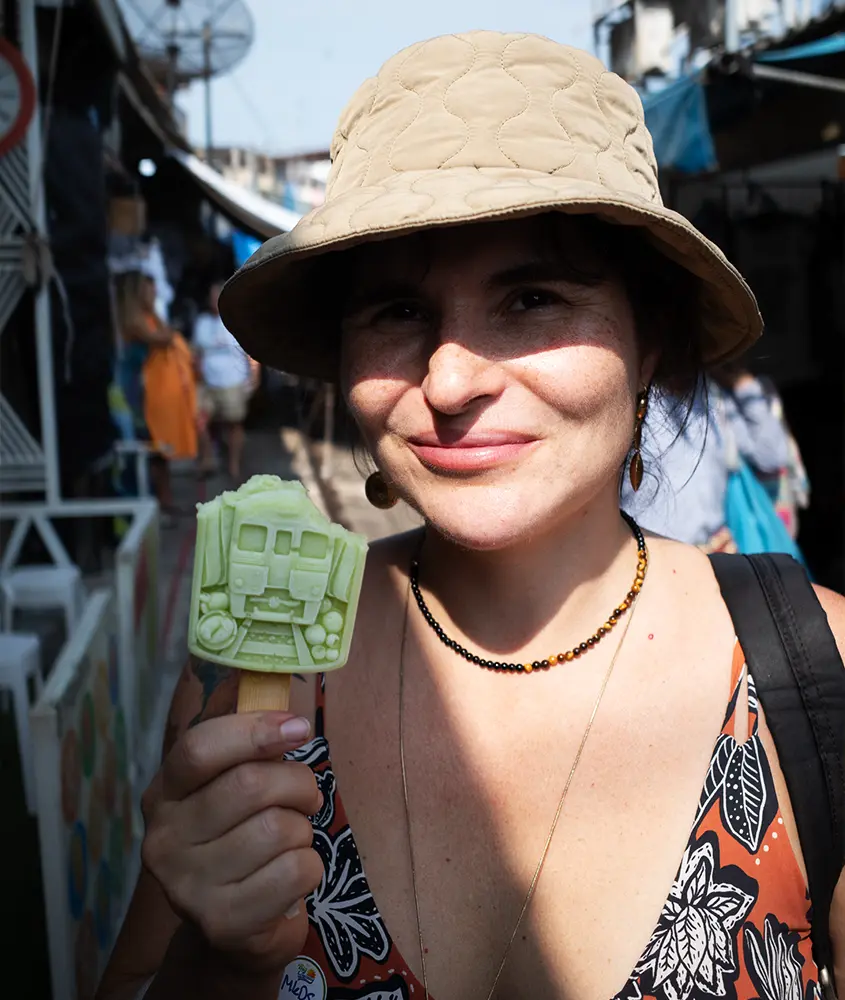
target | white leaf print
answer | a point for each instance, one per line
(721, 905)
(715, 778)
(696, 886)
(313, 753)
(693, 949)
(691, 938)
(774, 960)
(667, 959)
(753, 704)
(394, 988)
(342, 906)
(744, 794)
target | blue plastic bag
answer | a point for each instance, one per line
(751, 517)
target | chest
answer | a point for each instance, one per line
(484, 787)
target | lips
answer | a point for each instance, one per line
(471, 452)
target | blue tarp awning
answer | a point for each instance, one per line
(243, 246)
(677, 115)
(677, 119)
(830, 46)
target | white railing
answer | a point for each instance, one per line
(86, 802)
(22, 467)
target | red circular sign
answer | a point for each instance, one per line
(17, 96)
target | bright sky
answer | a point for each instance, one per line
(309, 57)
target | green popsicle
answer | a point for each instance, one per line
(275, 588)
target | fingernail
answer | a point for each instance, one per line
(296, 730)
(293, 911)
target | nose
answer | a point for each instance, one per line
(457, 377)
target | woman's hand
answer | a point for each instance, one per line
(229, 839)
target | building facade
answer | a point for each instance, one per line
(297, 182)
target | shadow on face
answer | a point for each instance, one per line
(587, 260)
(501, 291)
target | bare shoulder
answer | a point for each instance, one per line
(683, 567)
(833, 605)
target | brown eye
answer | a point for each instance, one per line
(534, 298)
(399, 313)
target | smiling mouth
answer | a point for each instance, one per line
(471, 455)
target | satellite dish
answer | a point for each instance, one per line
(186, 40)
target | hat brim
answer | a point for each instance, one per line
(283, 318)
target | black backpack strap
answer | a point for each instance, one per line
(800, 679)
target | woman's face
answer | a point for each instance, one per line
(494, 391)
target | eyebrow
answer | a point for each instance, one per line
(386, 291)
(539, 270)
(394, 290)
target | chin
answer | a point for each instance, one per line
(485, 519)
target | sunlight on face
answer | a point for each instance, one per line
(494, 387)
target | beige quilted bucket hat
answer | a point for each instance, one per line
(470, 128)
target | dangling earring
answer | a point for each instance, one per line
(379, 492)
(635, 470)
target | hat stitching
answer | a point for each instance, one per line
(609, 143)
(454, 114)
(397, 76)
(522, 110)
(608, 123)
(368, 114)
(422, 193)
(563, 128)
(635, 172)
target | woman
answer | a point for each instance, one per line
(695, 450)
(156, 375)
(521, 828)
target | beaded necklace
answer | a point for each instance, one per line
(551, 661)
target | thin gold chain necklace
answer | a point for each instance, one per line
(539, 869)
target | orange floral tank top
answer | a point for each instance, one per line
(736, 924)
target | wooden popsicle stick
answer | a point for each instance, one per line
(259, 692)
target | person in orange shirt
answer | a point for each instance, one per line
(158, 379)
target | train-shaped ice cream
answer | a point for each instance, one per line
(276, 584)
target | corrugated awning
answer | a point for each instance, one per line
(245, 208)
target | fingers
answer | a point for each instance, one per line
(266, 896)
(254, 844)
(217, 745)
(247, 790)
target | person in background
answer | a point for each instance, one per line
(789, 488)
(140, 332)
(730, 414)
(227, 383)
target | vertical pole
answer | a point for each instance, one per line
(732, 9)
(43, 326)
(789, 13)
(206, 65)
